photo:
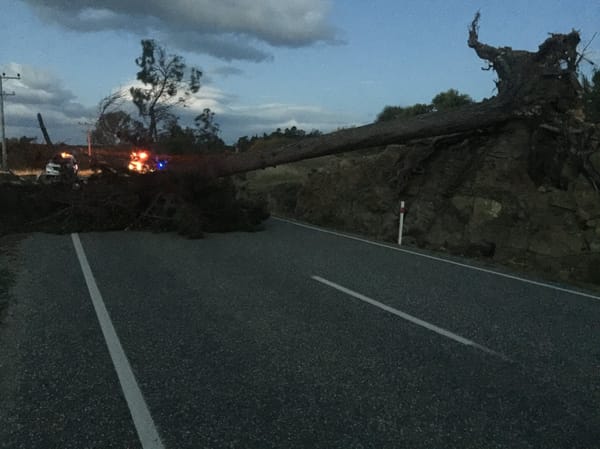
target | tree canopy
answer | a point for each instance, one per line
(202, 138)
(164, 86)
(450, 99)
(443, 101)
(207, 130)
(275, 138)
(115, 126)
(393, 112)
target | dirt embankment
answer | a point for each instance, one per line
(512, 196)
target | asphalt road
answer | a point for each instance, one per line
(289, 338)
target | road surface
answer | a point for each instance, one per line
(288, 338)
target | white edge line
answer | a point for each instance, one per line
(439, 259)
(432, 327)
(142, 419)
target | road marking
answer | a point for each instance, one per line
(142, 420)
(412, 319)
(439, 259)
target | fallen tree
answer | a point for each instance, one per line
(537, 87)
(539, 90)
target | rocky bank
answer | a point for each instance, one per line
(515, 196)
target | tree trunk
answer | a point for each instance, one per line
(472, 117)
(540, 85)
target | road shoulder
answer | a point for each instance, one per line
(10, 265)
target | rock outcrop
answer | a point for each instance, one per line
(513, 195)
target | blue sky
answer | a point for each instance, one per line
(267, 64)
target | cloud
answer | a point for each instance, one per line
(40, 91)
(237, 119)
(230, 30)
(226, 71)
(247, 120)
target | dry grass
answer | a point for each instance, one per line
(276, 175)
(28, 173)
(294, 172)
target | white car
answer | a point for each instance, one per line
(62, 165)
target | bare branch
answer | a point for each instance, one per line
(484, 51)
(582, 56)
(112, 101)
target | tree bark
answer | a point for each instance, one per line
(481, 115)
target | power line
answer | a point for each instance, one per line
(3, 94)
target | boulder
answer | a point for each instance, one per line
(484, 210)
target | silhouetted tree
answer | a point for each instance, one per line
(114, 126)
(207, 130)
(449, 100)
(162, 75)
(394, 112)
(175, 139)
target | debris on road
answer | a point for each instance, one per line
(111, 201)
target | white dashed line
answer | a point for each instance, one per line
(142, 419)
(410, 318)
(439, 259)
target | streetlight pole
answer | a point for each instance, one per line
(2, 130)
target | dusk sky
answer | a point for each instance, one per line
(314, 64)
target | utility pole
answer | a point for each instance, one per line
(89, 136)
(2, 131)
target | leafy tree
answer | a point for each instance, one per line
(277, 137)
(25, 140)
(441, 102)
(115, 126)
(242, 144)
(207, 130)
(294, 133)
(162, 75)
(450, 99)
(177, 140)
(246, 143)
(291, 133)
(394, 112)
(591, 97)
